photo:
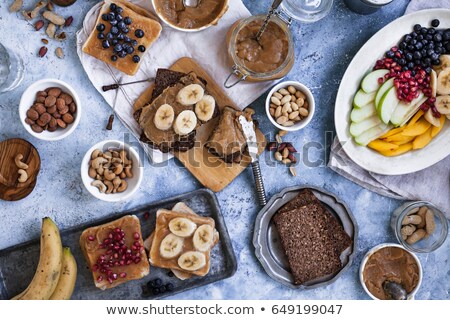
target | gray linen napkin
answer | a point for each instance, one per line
(431, 184)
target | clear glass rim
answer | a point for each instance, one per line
(237, 61)
(442, 219)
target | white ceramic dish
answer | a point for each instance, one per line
(301, 87)
(214, 22)
(133, 183)
(375, 249)
(362, 63)
(28, 98)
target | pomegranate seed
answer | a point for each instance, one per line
(110, 281)
(380, 80)
(137, 236)
(95, 267)
(122, 262)
(91, 238)
(137, 260)
(146, 215)
(123, 274)
(100, 279)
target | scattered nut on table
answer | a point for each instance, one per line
(19, 163)
(418, 224)
(23, 175)
(288, 106)
(110, 169)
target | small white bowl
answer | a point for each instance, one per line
(28, 98)
(375, 249)
(301, 87)
(133, 183)
(214, 22)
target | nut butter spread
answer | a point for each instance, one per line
(188, 17)
(391, 264)
(266, 55)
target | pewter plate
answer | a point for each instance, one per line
(18, 263)
(267, 243)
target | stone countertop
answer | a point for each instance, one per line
(323, 51)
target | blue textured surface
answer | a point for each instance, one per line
(323, 51)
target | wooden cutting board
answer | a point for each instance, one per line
(210, 170)
(10, 188)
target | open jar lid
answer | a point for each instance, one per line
(307, 10)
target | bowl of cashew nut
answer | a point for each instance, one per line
(111, 171)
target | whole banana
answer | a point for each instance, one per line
(68, 277)
(48, 270)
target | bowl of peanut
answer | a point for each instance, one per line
(290, 105)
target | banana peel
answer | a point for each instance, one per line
(68, 278)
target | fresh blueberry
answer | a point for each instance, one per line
(158, 282)
(130, 50)
(402, 62)
(118, 47)
(125, 30)
(404, 68)
(156, 291)
(139, 33)
(100, 36)
(136, 59)
(105, 44)
(109, 36)
(127, 39)
(430, 52)
(417, 55)
(150, 284)
(439, 50)
(141, 48)
(426, 62)
(435, 23)
(435, 56)
(114, 58)
(420, 37)
(169, 287)
(447, 47)
(113, 22)
(170, 274)
(112, 6)
(437, 37)
(410, 65)
(134, 43)
(127, 20)
(411, 47)
(111, 16)
(114, 41)
(409, 56)
(121, 25)
(436, 62)
(119, 17)
(403, 45)
(423, 52)
(407, 38)
(419, 45)
(114, 30)
(446, 35)
(122, 54)
(119, 10)
(105, 17)
(100, 27)
(431, 31)
(120, 36)
(390, 54)
(424, 31)
(428, 70)
(429, 37)
(162, 289)
(417, 27)
(414, 34)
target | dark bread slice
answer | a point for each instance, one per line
(304, 197)
(313, 240)
(165, 78)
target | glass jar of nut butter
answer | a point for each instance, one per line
(273, 56)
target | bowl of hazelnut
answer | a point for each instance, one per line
(290, 105)
(50, 109)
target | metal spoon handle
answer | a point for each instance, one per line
(275, 5)
(117, 85)
(259, 183)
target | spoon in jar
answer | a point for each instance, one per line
(191, 3)
(275, 5)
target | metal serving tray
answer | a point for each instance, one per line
(267, 243)
(18, 263)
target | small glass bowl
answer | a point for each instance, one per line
(427, 244)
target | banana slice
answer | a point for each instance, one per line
(171, 246)
(185, 123)
(443, 104)
(182, 227)
(192, 260)
(190, 94)
(204, 109)
(433, 83)
(445, 63)
(203, 237)
(443, 82)
(431, 119)
(164, 117)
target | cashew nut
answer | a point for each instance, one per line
(128, 172)
(115, 154)
(107, 155)
(116, 160)
(19, 163)
(123, 186)
(92, 172)
(23, 175)
(123, 175)
(110, 186)
(97, 162)
(100, 185)
(95, 154)
(123, 156)
(100, 170)
(119, 168)
(98, 177)
(109, 175)
(116, 182)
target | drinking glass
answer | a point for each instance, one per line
(11, 69)
(307, 10)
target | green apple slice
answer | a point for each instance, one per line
(404, 110)
(356, 128)
(362, 99)
(388, 103)
(358, 115)
(380, 93)
(370, 82)
(373, 133)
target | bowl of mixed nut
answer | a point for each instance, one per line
(290, 105)
(50, 109)
(111, 171)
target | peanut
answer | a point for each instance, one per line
(430, 225)
(412, 219)
(275, 101)
(277, 95)
(418, 235)
(281, 120)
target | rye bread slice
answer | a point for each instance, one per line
(304, 197)
(313, 241)
(165, 78)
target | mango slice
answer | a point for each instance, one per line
(401, 149)
(422, 140)
(380, 145)
(435, 130)
(399, 139)
(417, 129)
(392, 132)
(416, 117)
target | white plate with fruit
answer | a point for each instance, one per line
(392, 112)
